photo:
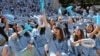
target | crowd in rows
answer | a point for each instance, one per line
(22, 8)
(57, 34)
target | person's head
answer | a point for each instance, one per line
(89, 28)
(52, 22)
(71, 20)
(2, 19)
(58, 33)
(19, 28)
(16, 27)
(59, 19)
(78, 34)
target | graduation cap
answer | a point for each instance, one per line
(55, 17)
(92, 23)
(88, 18)
(81, 25)
(11, 23)
(52, 18)
(78, 27)
(59, 25)
(20, 23)
(10, 17)
(88, 43)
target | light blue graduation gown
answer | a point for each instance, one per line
(40, 41)
(17, 45)
(55, 45)
(97, 43)
(85, 51)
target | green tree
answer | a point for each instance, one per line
(65, 3)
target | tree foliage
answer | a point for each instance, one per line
(65, 3)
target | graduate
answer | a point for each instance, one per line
(91, 30)
(20, 41)
(4, 48)
(76, 44)
(71, 24)
(75, 41)
(57, 46)
(39, 37)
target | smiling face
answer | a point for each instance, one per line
(89, 28)
(58, 33)
(56, 30)
(52, 22)
(77, 32)
(19, 28)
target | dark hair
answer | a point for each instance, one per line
(61, 34)
(10, 26)
(42, 31)
(80, 37)
(3, 33)
(15, 30)
(66, 31)
(92, 27)
(3, 20)
(36, 26)
(92, 31)
(73, 20)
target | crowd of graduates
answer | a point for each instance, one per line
(28, 32)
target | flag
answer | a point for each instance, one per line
(98, 20)
(42, 5)
(59, 11)
(69, 9)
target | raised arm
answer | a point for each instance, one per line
(48, 32)
(45, 21)
(14, 35)
(6, 23)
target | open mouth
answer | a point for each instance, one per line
(55, 32)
